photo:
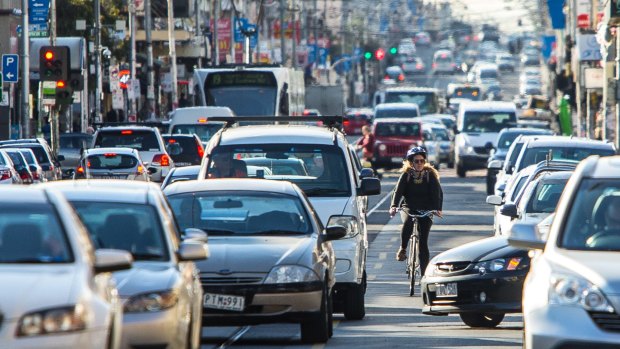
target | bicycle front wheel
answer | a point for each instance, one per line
(414, 267)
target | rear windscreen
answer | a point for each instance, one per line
(140, 140)
(111, 161)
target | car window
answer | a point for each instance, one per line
(487, 121)
(545, 197)
(385, 129)
(326, 166)
(520, 183)
(506, 139)
(17, 159)
(111, 161)
(131, 227)
(203, 131)
(441, 134)
(136, 139)
(593, 220)
(426, 101)
(241, 213)
(2, 162)
(28, 156)
(396, 113)
(32, 233)
(537, 154)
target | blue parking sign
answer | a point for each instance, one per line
(10, 64)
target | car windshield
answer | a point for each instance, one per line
(241, 213)
(320, 170)
(203, 131)
(396, 113)
(426, 101)
(131, 227)
(506, 139)
(487, 121)
(73, 142)
(17, 158)
(441, 134)
(111, 161)
(245, 101)
(28, 156)
(385, 129)
(32, 233)
(488, 74)
(567, 152)
(593, 220)
(546, 195)
(137, 139)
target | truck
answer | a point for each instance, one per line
(328, 99)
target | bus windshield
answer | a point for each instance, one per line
(426, 101)
(247, 93)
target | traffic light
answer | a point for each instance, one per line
(393, 50)
(76, 81)
(379, 54)
(368, 55)
(54, 63)
(64, 95)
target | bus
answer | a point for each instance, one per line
(251, 90)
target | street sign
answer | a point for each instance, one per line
(38, 11)
(10, 65)
(48, 90)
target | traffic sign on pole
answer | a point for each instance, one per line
(10, 65)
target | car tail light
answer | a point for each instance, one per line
(140, 169)
(387, 77)
(35, 176)
(200, 149)
(80, 170)
(401, 77)
(126, 132)
(161, 159)
(5, 174)
(24, 175)
(110, 155)
(434, 65)
(419, 66)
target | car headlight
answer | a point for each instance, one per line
(573, 290)
(349, 222)
(56, 320)
(430, 270)
(284, 274)
(500, 264)
(382, 147)
(151, 301)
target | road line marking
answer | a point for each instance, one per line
(382, 255)
(235, 337)
(389, 246)
(379, 203)
(371, 277)
(394, 239)
(378, 265)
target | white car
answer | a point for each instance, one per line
(571, 296)
(57, 291)
(162, 294)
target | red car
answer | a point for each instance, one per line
(393, 137)
(355, 119)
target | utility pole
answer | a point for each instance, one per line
(198, 31)
(282, 42)
(294, 35)
(173, 55)
(98, 76)
(216, 43)
(25, 72)
(617, 131)
(132, 64)
(150, 90)
(232, 33)
(54, 129)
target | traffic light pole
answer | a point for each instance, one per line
(25, 72)
(54, 127)
(98, 76)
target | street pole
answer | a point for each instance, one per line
(294, 36)
(216, 43)
(132, 58)
(25, 72)
(150, 73)
(315, 21)
(588, 114)
(617, 131)
(54, 110)
(232, 35)
(173, 55)
(282, 43)
(198, 32)
(98, 76)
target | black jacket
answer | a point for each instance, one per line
(419, 195)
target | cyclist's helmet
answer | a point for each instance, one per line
(415, 151)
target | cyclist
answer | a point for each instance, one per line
(419, 189)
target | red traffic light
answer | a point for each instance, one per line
(379, 54)
(60, 84)
(49, 55)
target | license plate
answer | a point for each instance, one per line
(397, 159)
(180, 164)
(224, 302)
(110, 177)
(447, 290)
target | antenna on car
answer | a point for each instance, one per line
(549, 156)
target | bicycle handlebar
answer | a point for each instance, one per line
(423, 213)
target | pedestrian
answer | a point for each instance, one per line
(418, 188)
(367, 144)
(111, 116)
(183, 102)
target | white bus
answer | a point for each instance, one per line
(195, 120)
(251, 90)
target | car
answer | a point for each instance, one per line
(443, 62)
(396, 110)
(422, 39)
(431, 144)
(507, 166)
(530, 60)
(481, 281)
(184, 149)
(478, 124)
(61, 294)
(505, 138)
(162, 290)
(355, 119)
(406, 46)
(493, 92)
(71, 146)
(394, 73)
(573, 276)
(147, 140)
(8, 173)
(272, 259)
(20, 164)
(35, 168)
(50, 164)
(334, 185)
(185, 173)
(505, 62)
(111, 163)
(195, 120)
(393, 138)
(413, 66)
(446, 143)
(426, 98)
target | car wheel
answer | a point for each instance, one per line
(460, 170)
(354, 303)
(488, 320)
(451, 164)
(316, 329)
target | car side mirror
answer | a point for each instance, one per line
(509, 210)
(334, 232)
(366, 173)
(195, 234)
(495, 165)
(369, 186)
(489, 146)
(524, 236)
(151, 170)
(494, 200)
(111, 260)
(192, 251)
(501, 187)
(61, 158)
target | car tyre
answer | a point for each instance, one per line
(354, 303)
(460, 170)
(451, 164)
(488, 320)
(317, 328)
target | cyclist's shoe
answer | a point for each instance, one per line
(401, 255)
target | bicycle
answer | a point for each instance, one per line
(413, 262)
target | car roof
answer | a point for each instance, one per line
(119, 150)
(568, 141)
(397, 120)
(557, 175)
(398, 105)
(261, 134)
(104, 190)
(186, 170)
(232, 184)
(411, 89)
(488, 105)
(526, 131)
(21, 194)
(179, 135)
(127, 127)
(602, 167)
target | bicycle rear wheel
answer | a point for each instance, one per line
(413, 260)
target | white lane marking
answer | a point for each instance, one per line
(394, 239)
(379, 203)
(383, 256)
(235, 337)
(378, 265)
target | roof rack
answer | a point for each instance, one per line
(162, 126)
(332, 122)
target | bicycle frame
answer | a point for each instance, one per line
(413, 262)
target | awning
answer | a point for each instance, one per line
(558, 20)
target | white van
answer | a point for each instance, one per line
(478, 124)
(195, 120)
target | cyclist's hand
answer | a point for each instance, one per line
(393, 211)
(439, 214)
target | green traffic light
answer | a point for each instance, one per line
(393, 50)
(368, 55)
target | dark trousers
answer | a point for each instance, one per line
(424, 227)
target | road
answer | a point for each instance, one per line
(393, 319)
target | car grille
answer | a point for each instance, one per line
(481, 150)
(233, 280)
(606, 321)
(452, 267)
(397, 149)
